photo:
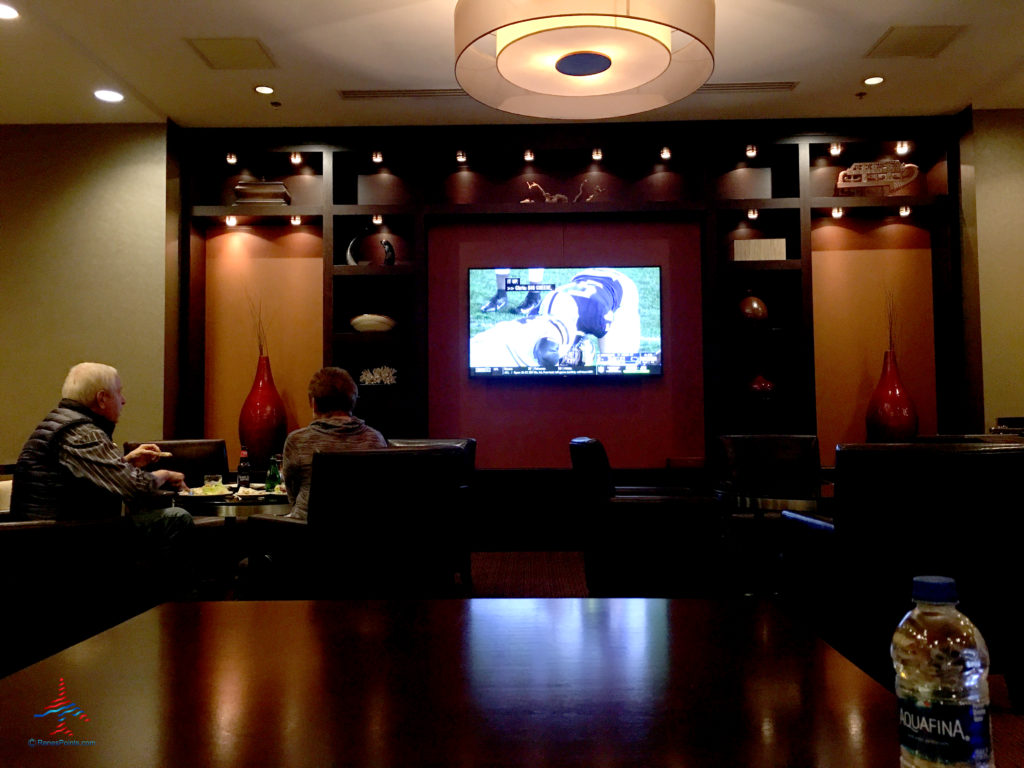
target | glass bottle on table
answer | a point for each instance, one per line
(244, 475)
(274, 474)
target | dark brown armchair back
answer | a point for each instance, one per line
(194, 458)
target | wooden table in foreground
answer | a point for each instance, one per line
(527, 682)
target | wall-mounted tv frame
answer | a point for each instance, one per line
(565, 321)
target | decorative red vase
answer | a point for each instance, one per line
(891, 416)
(262, 424)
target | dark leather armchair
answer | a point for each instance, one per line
(381, 522)
(669, 545)
(195, 458)
(946, 508)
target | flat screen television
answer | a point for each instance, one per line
(564, 321)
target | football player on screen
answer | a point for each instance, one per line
(499, 300)
(602, 302)
(527, 342)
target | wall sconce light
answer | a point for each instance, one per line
(296, 158)
(835, 149)
(377, 157)
(874, 80)
(666, 153)
(296, 220)
(528, 155)
(752, 213)
(904, 210)
(902, 147)
(751, 150)
(230, 221)
(231, 158)
(837, 213)
(377, 219)
(266, 90)
(597, 154)
(460, 156)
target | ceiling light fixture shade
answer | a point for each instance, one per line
(583, 59)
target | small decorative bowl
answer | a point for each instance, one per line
(365, 323)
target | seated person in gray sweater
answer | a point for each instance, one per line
(332, 393)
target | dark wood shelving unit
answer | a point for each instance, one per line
(709, 180)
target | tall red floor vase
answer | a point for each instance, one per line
(891, 416)
(262, 424)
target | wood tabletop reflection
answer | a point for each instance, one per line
(524, 682)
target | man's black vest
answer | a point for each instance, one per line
(43, 488)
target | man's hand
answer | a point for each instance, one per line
(171, 478)
(145, 455)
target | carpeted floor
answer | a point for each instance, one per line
(528, 574)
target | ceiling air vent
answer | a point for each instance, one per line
(783, 85)
(434, 93)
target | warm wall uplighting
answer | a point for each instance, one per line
(597, 154)
(296, 158)
(751, 150)
(902, 147)
(7, 12)
(666, 153)
(230, 221)
(377, 219)
(752, 213)
(837, 213)
(460, 156)
(296, 220)
(231, 158)
(377, 157)
(835, 149)
(528, 155)
(904, 210)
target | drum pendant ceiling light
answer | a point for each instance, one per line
(583, 59)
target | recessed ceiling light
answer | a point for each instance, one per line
(7, 12)
(266, 90)
(874, 80)
(107, 95)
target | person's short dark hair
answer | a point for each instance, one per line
(333, 389)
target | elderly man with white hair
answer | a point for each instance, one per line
(71, 469)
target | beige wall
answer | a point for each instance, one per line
(998, 149)
(82, 213)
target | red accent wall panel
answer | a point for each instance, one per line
(521, 424)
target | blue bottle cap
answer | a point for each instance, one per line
(934, 589)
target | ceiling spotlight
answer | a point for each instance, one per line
(837, 213)
(230, 220)
(460, 156)
(528, 155)
(7, 12)
(751, 150)
(266, 90)
(835, 149)
(904, 210)
(231, 158)
(109, 96)
(902, 147)
(377, 219)
(752, 213)
(296, 158)
(377, 157)
(296, 220)
(597, 154)
(544, 58)
(874, 80)
(666, 153)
